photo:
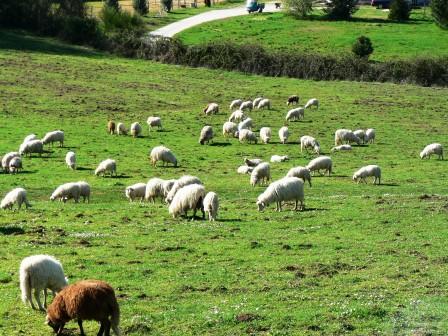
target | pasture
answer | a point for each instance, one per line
(361, 259)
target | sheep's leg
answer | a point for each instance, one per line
(37, 297)
(81, 329)
(61, 329)
(107, 325)
(297, 205)
(45, 298)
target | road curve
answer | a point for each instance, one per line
(218, 14)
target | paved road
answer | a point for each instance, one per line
(176, 27)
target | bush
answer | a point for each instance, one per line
(141, 6)
(167, 5)
(120, 20)
(362, 47)
(80, 30)
(400, 10)
(439, 9)
(341, 9)
(298, 8)
(112, 4)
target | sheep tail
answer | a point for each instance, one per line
(115, 318)
(25, 286)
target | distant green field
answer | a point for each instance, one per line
(419, 37)
(361, 260)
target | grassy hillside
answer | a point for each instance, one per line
(419, 37)
(361, 259)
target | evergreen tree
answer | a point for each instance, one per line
(400, 10)
(439, 9)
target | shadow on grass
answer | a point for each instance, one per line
(83, 168)
(314, 209)
(11, 230)
(389, 184)
(229, 220)
(324, 18)
(220, 144)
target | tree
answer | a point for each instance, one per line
(298, 8)
(439, 9)
(112, 4)
(141, 6)
(400, 10)
(341, 9)
(362, 47)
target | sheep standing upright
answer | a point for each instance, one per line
(211, 205)
(121, 129)
(85, 300)
(229, 129)
(308, 142)
(70, 160)
(39, 273)
(345, 136)
(136, 191)
(361, 134)
(7, 158)
(283, 190)
(107, 166)
(154, 189)
(180, 183)
(247, 105)
(256, 101)
(84, 191)
(300, 172)
(54, 136)
(237, 115)
(312, 102)
(370, 135)
(260, 174)
(111, 127)
(283, 134)
(246, 124)
(264, 103)
(154, 122)
(367, 171)
(67, 191)
(17, 195)
(235, 104)
(188, 198)
(211, 108)
(164, 154)
(265, 134)
(32, 146)
(295, 114)
(30, 137)
(294, 99)
(206, 135)
(136, 129)
(248, 136)
(15, 165)
(435, 148)
(321, 163)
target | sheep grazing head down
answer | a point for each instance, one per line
(55, 324)
(261, 205)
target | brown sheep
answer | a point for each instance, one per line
(111, 127)
(85, 300)
(292, 100)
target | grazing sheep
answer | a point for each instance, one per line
(105, 166)
(300, 172)
(167, 186)
(264, 103)
(187, 198)
(295, 114)
(40, 272)
(54, 136)
(111, 127)
(85, 300)
(30, 137)
(84, 191)
(366, 171)
(164, 154)
(136, 129)
(121, 129)
(361, 134)
(67, 191)
(154, 189)
(244, 169)
(246, 135)
(229, 129)
(211, 108)
(283, 134)
(17, 195)
(32, 146)
(237, 115)
(265, 134)
(319, 163)
(180, 183)
(257, 101)
(252, 162)
(431, 149)
(279, 158)
(206, 135)
(312, 102)
(15, 165)
(136, 191)
(70, 160)
(154, 122)
(260, 174)
(247, 105)
(370, 135)
(235, 104)
(294, 99)
(341, 148)
(7, 158)
(308, 142)
(342, 136)
(246, 124)
(283, 190)
(211, 205)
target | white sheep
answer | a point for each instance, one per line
(180, 183)
(341, 148)
(361, 134)
(265, 134)
(136, 129)
(15, 165)
(84, 191)
(237, 115)
(206, 135)
(235, 104)
(105, 166)
(342, 136)
(211, 108)
(70, 160)
(167, 186)
(321, 163)
(295, 114)
(67, 191)
(154, 188)
(260, 174)
(252, 162)
(283, 190)
(17, 195)
(121, 129)
(136, 191)
(164, 154)
(434, 148)
(211, 205)
(300, 172)
(32, 146)
(246, 124)
(7, 158)
(312, 102)
(229, 129)
(54, 136)
(279, 158)
(154, 122)
(30, 137)
(257, 101)
(308, 142)
(246, 135)
(264, 103)
(370, 135)
(247, 105)
(39, 273)
(367, 171)
(244, 169)
(283, 134)
(188, 198)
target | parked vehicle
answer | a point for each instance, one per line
(386, 3)
(254, 6)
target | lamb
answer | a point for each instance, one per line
(312, 102)
(294, 99)
(67, 191)
(300, 172)
(246, 124)
(342, 136)
(229, 129)
(237, 115)
(206, 135)
(211, 108)
(136, 129)
(180, 183)
(235, 104)
(164, 154)
(366, 171)
(295, 114)
(431, 149)
(370, 135)
(319, 163)
(341, 148)
(32, 146)
(154, 122)
(307, 142)
(265, 134)
(247, 105)
(257, 101)
(6, 159)
(246, 135)
(260, 174)
(30, 137)
(361, 134)
(84, 191)
(85, 300)
(252, 162)
(279, 158)
(111, 127)
(154, 188)
(283, 190)
(105, 166)
(39, 272)
(136, 191)
(54, 136)
(121, 129)
(70, 160)
(264, 103)
(211, 205)
(187, 198)
(244, 169)
(15, 165)
(283, 134)
(17, 195)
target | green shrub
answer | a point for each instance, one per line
(362, 47)
(341, 9)
(141, 6)
(112, 4)
(120, 20)
(167, 5)
(439, 9)
(298, 8)
(80, 30)
(400, 10)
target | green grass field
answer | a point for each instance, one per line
(361, 260)
(277, 31)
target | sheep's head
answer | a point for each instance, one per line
(355, 177)
(422, 155)
(57, 325)
(52, 198)
(357, 140)
(261, 205)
